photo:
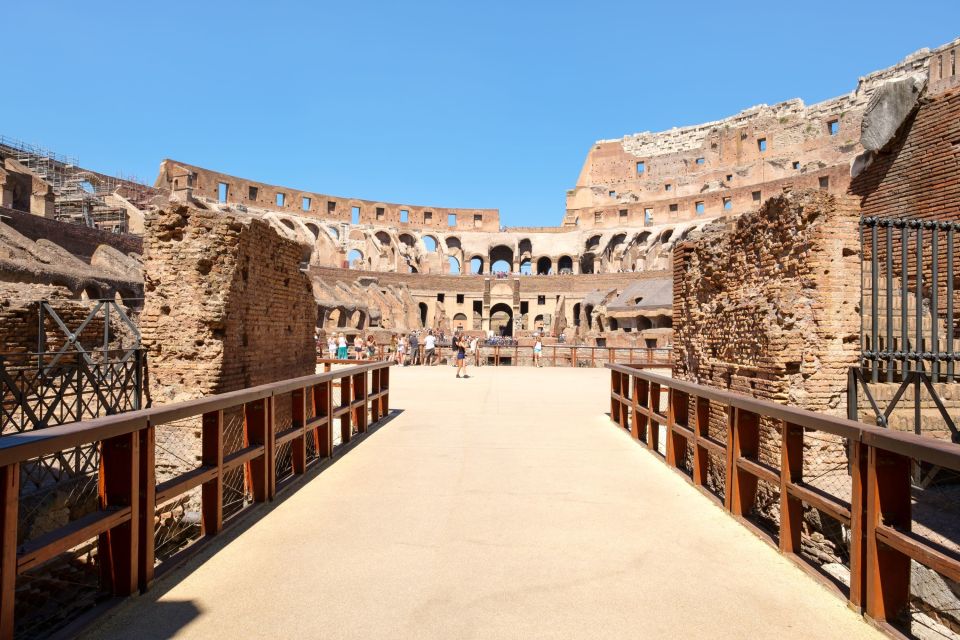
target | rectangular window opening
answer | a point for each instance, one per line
(460, 298)
(222, 188)
(440, 297)
(701, 160)
(641, 167)
(729, 177)
(796, 165)
(762, 144)
(281, 199)
(541, 300)
(699, 207)
(524, 307)
(667, 187)
(478, 307)
(648, 216)
(380, 213)
(428, 216)
(623, 213)
(833, 127)
(451, 219)
(597, 216)
(756, 196)
(306, 203)
(331, 206)
(404, 215)
(727, 204)
(824, 182)
(674, 208)
(252, 193)
(355, 215)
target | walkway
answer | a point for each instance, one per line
(502, 506)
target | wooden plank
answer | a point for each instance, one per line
(170, 489)
(298, 448)
(920, 550)
(242, 456)
(888, 503)
(746, 444)
(271, 444)
(701, 457)
(791, 474)
(653, 429)
(323, 431)
(9, 506)
(858, 523)
(48, 546)
(760, 470)
(211, 456)
(146, 529)
(344, 410)
(255, 435)
(117, 546)
(818, 500)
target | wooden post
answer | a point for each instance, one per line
(323, 436)
(791, 472)
(360, 413)
(858, 524)
(271, 443)
(385, 385)
(728, 469)
(678, 411)
(119, 479)
(554, 355)
(298, 446)
(888, 503)
(255, 434)
(9, 505)
(211, 493)
(146, 558)
(701, 456)
(345, 430)
(746, 444)
(614, 402)
(653, 426)
(641, 396)
(375, 389)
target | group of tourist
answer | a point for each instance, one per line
(339, 347)
(407, 348)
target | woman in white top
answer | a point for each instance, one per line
(537, 348)
(401, 348)
(331, 347)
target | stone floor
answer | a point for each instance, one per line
(506, 505)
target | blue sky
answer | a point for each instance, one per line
(486, 104)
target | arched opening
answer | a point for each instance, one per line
(314, 229)
(586, 263)
(383, 237)
(538, 322)
(589, 314)
(617, 240)
(643, 237)
(501, 259)
(355, 259)
(525, 247)
(662, 322)
(643, 323)
(544, 265)
(287, 223)
(593, 243)
(501, 319)
(476, 265)
(453, 243)
(342, 317)
(614, 325)
(90, 292)
(407, 239)
(665, 236)
(430, 243)
(454, 265)
(525, 267)
(565, 264)
(460, 321)
(333, 233)
(423, 314)
(576, 315)
(356, 320)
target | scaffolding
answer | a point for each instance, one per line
(81, 196)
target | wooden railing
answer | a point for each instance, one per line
(123, 521)
(759, 450)
(556, 355)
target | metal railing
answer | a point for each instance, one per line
(135, 515)
(552, 355)
(886, 544)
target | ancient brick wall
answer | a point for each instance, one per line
(226, 304)
(768, 305)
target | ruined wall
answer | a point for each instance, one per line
(769, 305)
(226, 304)
(77, 239)
(20, 311)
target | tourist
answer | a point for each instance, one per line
(331, 346)
(475, 349)
(341, 347)
(461, 344)
(358, 347)
(401, 349)
(429, 348)
(414, 348)
(371, 348)
(537, 348)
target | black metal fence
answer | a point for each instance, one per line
(908, 334)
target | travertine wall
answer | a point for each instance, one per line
(226, 304)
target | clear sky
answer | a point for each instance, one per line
(479, 104)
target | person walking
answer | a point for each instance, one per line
(401, 349)
(475, 350)
(429, 348)
(461, 343)
(331, 346)
(537, 348)
(341, 347)
(414, 348)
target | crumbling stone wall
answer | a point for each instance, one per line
(226, 304)
(768, 305)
